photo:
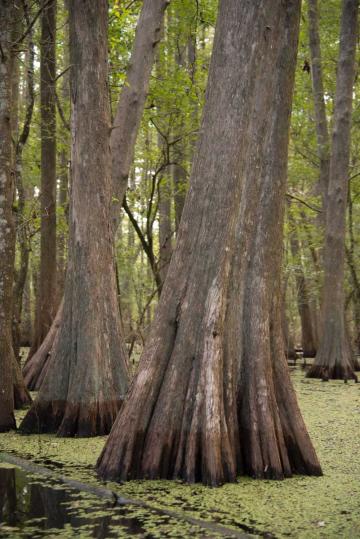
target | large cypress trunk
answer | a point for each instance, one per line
(88, 375)
(46, 302)
(212, 397)
(7, 229)
(333, 359)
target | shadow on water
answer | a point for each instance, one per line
(30, 507)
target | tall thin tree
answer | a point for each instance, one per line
(46, 290)
(333, 359)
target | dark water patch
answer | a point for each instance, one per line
(34, 506)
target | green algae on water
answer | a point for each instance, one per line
(301, 507)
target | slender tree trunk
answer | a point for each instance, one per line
(212, 397)
(63, 177)
(133, 96)
(26, 318)
(22, 229)
(333, 359)
(36, 367)
(87, 377)
(46, 295)
(323, 139)
(7, 229)
(308, 338)
(289, 345)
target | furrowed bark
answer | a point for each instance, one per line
(87, 375)
(204, 404)
(131, 105)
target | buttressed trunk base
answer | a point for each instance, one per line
(212, 398)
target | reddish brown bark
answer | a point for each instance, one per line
(87, 376)
(209, 400)
(128, 115)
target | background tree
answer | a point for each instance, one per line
(46, 293)
(333, 359)
(7, 229)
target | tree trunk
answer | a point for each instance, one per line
(323, 140)
(26, 319)
(36, 367)
(46, 295)
(333, 359)
(133, 95)
(7, 229)
(87, 376)
(212, 398)
(308, 337)
(22, 192)
(131, 103)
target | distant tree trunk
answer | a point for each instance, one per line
(36, 367)
(355, 282)
(289, 345)
(26, 318)
(133, 95)
(131, 105)
(22, 193)
(333, 359)
(7, 229)
(87, 376)
(308, 337)
(46, 294)
(165, 232)
(323, 139)
(212, 397)
(63, 176)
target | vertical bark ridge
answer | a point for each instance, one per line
(219, 361)
(87, 375)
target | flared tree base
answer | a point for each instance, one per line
(335, 372)
(68, 420)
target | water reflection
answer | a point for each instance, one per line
(30, 508)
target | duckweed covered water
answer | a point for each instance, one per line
(33, 507)
(301, 507)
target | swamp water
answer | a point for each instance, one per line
(32, 506)
(303, 507)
